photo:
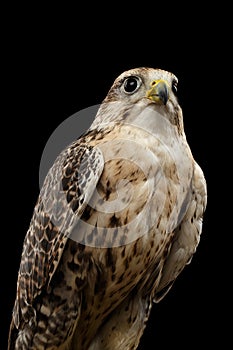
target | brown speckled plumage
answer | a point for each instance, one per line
(99, 251)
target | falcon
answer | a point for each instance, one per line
(117, 219)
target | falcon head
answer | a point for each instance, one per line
(156, 85)
(142, 88)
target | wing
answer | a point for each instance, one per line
(63, 198)
(186, 237)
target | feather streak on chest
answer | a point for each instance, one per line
(113, 274)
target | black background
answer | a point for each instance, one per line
(52, 71)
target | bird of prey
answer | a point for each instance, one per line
(117, 219)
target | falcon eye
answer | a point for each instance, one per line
(131, 84)
(174, 86)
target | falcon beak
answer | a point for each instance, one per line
(159, 91)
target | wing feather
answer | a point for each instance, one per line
(63, 198)
(187, 235)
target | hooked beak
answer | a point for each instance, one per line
(159, 93)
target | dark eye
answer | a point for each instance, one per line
(174, 86)
(131, 84)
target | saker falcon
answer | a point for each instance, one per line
(117, 219)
